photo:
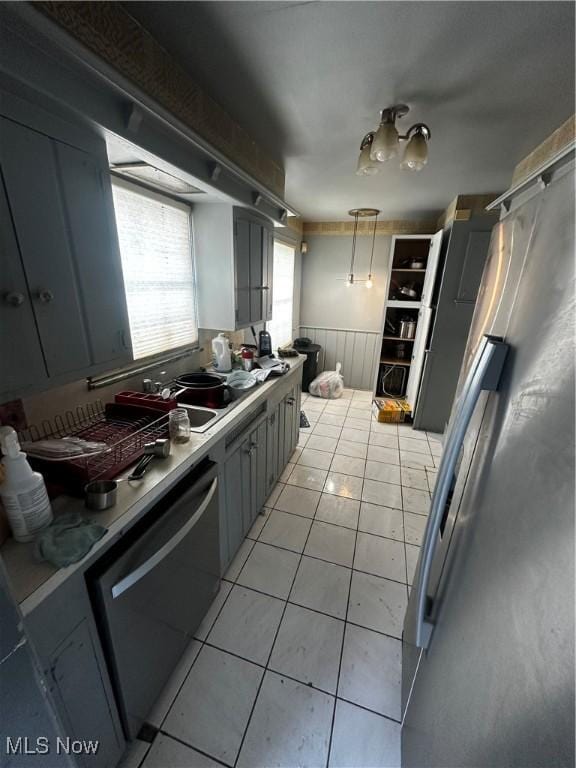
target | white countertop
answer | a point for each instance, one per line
(32, 580)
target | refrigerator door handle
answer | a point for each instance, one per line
(136, 575)
(484, 374)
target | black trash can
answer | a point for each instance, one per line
(305, 347)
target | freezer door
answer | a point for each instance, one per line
(154, 594)
(495, 687)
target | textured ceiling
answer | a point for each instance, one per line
(307, 80)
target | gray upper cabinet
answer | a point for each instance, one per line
(62, 272)
(233, 255)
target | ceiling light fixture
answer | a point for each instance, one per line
(382, 145)
(361, 213)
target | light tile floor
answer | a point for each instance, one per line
(298, 661)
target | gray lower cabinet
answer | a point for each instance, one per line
(61, 287)
(65, 637)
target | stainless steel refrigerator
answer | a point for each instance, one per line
(488, 643)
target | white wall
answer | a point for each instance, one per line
(325, 300)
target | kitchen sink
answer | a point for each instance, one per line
(201, 419)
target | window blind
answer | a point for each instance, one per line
(155, 238)
(280, 327)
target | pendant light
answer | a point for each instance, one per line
(416, 154)
(366, 166)
(361, 213)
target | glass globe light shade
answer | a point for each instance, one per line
(385, 143)
(416, 154)
(365, 165)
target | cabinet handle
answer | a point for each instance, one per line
(45, 296)
(261, 288)
(290, 401)
(252, 448)
(14, 299)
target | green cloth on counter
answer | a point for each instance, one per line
(68, 539)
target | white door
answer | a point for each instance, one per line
(418, 352)
(431, 268)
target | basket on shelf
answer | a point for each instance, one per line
(390, 411)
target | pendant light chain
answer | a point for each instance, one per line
(354, 244)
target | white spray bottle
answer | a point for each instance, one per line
(22, 491)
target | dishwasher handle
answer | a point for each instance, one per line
(138, 573)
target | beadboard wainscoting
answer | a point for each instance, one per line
(357, 351)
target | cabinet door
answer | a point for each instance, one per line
(242, 269)
(258, 440)
(20, 349)
(79, 690)
(31, 175)
(289, 411)
(268, 258)
(257, 285)
(272, 470)
(233, 501)
(88, 201)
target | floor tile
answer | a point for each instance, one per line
(436, 451)
(276, 491)
(172, 688)
(385, 473)
(239, 559)
(343, 485)
(352, 423)
(371, 671)
(290, 726)
(247, 624)
(303, 438)
(416, 460)
(169, 752)
(258, 524)
(270, 570)
(348, 448)
(382, 521)
(308, 647)
(286, 530)
(385, 494)
(384, 439)
(316, 459)
(354, 435)
(414, 526)
(414, 478)
(431, 478)
(315, 404)
(363, 739)
(322, 443)
(364, 414)
(134, 755)
(346, 394)
(295, 455)
(418, 446)
(333, 543)
(286, 471)
(411, 561)
(210, 617)
(321, 586)
(381, 557)
(348, 465)
(298, 501)
(338, 510)
(406, 430)
(416, 501)
(326, 430)
(386, 455)
(384, 428)
(364, 396)
(308, 477)
(212, 709)
(377, 603)
(331, 418)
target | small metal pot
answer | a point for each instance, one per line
(101, 494)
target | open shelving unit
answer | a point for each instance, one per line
(413, 266)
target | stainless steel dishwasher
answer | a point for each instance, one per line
(151, 591)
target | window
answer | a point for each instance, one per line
(155, 239)
(280, 327)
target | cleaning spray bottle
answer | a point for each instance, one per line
(22, 491)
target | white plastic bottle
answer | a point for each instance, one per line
(22, 491)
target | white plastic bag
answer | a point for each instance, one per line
(329, 384)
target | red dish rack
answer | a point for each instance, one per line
(145, 400)
(124, 428)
